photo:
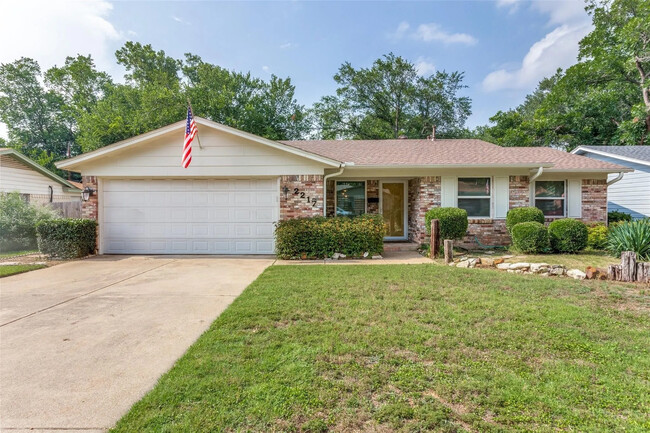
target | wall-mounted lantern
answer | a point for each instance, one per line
(86, 193)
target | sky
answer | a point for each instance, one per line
(504, 47)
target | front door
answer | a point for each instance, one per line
(393, 208)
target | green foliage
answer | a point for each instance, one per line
(394, 413)
(597, 236)
(320, 237)
(453, 221)
(630, 236)
(523, 214)
(7, 270)
(67, 238)
(568, 235)
(18, 221)
(389, 99)
(530, 237)
(616, 216)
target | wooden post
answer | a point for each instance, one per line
(628, 266)
(449, 251)
(434, 246)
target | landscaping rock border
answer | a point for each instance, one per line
(541, 269)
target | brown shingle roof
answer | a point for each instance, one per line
(464, 152)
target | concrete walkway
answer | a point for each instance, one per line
(82, 341)
(389, 258)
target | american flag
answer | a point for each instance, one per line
(190, 132)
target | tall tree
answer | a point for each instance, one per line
(390, 99)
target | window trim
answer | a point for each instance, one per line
(490, 197)
(336, 195)
(564, 199)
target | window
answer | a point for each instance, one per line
(550, 197)
(474, 196)
(350, 198)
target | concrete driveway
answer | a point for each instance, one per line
(82, 341)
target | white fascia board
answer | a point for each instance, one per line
(581, 151)
(589, 170)
(407, 166)
(71, 162)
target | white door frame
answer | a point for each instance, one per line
(406, 199)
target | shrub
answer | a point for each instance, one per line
(453, 221)
(597, 236)
(530, 237)
(320, 237)
(615, 216)
(18, 221)
(523, 215)
(567, 235)
(630, 236)
(67, 238)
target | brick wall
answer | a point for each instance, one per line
(423, 194)
(296, 205)
(519, 191)
(89, 209)
(488, 231)
(594, 200)
(372, 191)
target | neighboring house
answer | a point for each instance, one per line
(33, 181)
(631, 194)
(239, 185)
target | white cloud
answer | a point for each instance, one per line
(266, 69)
(432, 32)
(557, 49)
(512, 5)
(424, 67)
(288, 45)
(50, 30)
(180, 20)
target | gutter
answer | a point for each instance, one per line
(616, 179)
(325, 179)
(540, 170)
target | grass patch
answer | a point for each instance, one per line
(8, 270)
(17, 253)
(412, 349)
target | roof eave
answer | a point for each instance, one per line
(589, 170)
(42, 170)
(584, 150)
(407, 166)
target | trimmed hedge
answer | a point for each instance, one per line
(67, 238)
(522, 215)
(568, 235)
(597, 236)
(615, 216)
(453, 221)
(319, 237)
(530, 237)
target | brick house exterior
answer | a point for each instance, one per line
(239, 185)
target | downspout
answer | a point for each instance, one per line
(540, 170)
(325, 179)
(616, 179)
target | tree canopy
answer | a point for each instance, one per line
(601, 100)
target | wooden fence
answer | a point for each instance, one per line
(68, 209)
(629, 269)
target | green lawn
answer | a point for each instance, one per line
(412, 348)
(7, 270)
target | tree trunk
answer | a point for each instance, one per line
(434, 246)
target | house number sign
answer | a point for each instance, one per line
(308, 199)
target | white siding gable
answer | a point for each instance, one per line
(16, 176)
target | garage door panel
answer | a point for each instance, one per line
(207, 216)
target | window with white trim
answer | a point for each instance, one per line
(475, 196)
(550, 197)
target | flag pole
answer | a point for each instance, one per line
(189, 104)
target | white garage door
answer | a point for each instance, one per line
(183, 216)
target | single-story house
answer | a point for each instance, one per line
(239, 185)
(631, 194)
(34, 182)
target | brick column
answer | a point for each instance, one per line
(594, 200)
(372, 191)
(296, 205)
(423, 194)
(89, 209)
(519, 187)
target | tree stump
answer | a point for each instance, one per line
(435, 239)
(613, 272)
(449, 251)
(628, 266)
(643, 272)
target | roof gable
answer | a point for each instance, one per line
(38, 168)
(635, 154)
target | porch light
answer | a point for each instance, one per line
(285, 190)
(86, 193)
